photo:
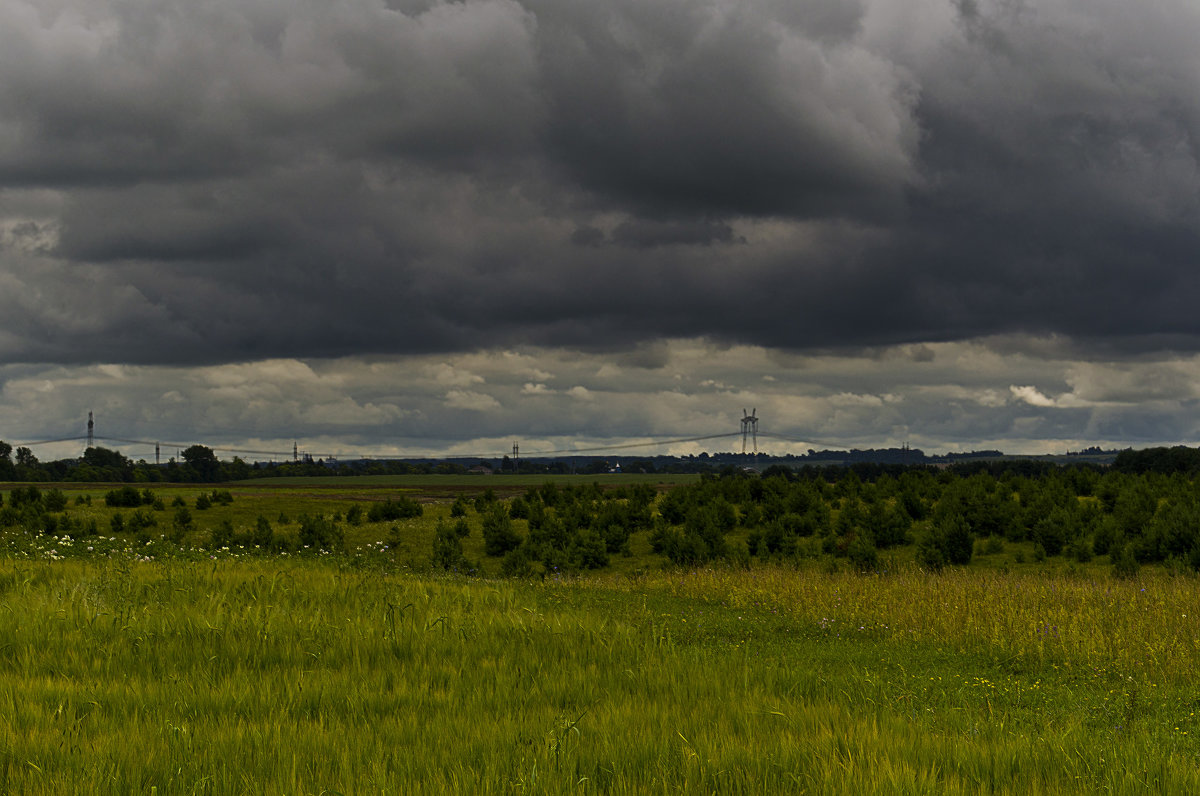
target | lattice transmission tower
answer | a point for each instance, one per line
(750, 427)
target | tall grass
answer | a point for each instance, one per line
(1147, 629)
(303, 676)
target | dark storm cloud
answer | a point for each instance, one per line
(649, 234)
(233, 180)
(703, 108)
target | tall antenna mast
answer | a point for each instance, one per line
(91, 430)
(750, 426)
(516, 455)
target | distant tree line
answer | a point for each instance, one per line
(1178, 459)
(199, 465)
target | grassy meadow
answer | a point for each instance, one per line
(139, 664)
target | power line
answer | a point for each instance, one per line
(47, 442)
(633, 445)
(804, 440)
(526, 453)
(285, 455)
(279, 454)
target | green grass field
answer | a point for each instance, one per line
(137, 664)
(309, 676)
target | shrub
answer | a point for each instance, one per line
(1080, 550)
(89, 528)
(1124, 563)
(141, 519)
(447, 549)
(221, 535)
(948, 541)
(738, 555)
(402, 508)
(679, 547)
(517, 563)
(863, 554)
(55, 500)
(126, 497)
(25, 496)
(485, 500)
(319, 533)
(587, 550)
(518, 509)
(263, 534)
(930, 553)
(183, 519)
(499, 537)
(616, 538)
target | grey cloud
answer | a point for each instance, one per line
(588, 236)
(680, 388)
(254, 179)
(649, 234)
(711, 107)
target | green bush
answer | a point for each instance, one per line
(447, 550)
(517, 563)
(142, 520)
(221, 535)
(863, 554)
(499, 536)
(183, 519)
(587, 550)
(402, 508)
(485, 500)
(55, 500)
(127, 497)
(1124, 563)
(931, 554)
(319, 533)
(263, 534)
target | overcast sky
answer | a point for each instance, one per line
(409, 226)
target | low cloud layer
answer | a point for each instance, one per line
(938, 397)
(185, 185)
